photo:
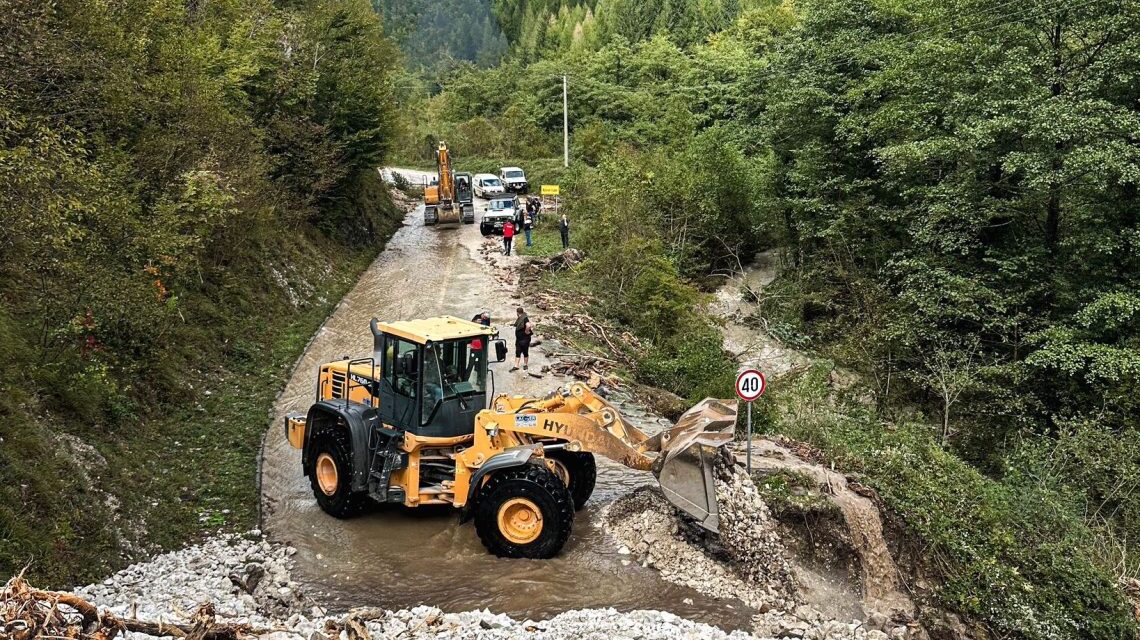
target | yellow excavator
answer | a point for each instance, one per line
(450, 198)
(419, 423)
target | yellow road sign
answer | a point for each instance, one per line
(549, 189)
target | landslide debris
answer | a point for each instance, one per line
(749, 561)
(239, 586)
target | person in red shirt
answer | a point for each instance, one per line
(508, 235)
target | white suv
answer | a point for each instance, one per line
(488, 186)
(498, 211)
(513, 179)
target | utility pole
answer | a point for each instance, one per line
(565, 127)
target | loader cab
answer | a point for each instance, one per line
(433, 374)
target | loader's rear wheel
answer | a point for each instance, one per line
(331, 476)
(578, 471)
(524, 512)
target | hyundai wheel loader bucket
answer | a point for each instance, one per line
(684, 467)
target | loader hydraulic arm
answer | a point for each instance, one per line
(579, 419)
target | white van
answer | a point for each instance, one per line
(488, 185)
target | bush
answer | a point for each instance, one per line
(691, 364)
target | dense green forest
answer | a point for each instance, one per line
(953, 185)
(436, 36)
(186, 189)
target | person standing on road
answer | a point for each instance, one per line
(508, 235)
(523, 331)
(564, 231)
(528, 225)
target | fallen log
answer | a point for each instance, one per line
(27, 613)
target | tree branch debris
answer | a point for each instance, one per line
(27, 613)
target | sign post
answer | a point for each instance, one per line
(750, 385)
(548, 190)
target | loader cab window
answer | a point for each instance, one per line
(401, 366)
(452, 369)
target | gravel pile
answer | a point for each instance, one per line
(747, 561)
(248, 580)
(650, 532)
(748, 532)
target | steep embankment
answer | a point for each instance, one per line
(83, 496)
(186, 189)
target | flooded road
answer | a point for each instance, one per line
(396, 557)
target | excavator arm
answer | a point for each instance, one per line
(579, 419)
(440, 200)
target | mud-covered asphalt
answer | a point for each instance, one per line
(397, 557)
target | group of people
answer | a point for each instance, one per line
(526, 222)
(524, 330)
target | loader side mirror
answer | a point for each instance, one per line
(500, 350)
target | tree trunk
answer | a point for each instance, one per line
(1053, 205)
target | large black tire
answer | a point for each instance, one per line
(485, 230)
(342, 503)
(581, 469)
(533, 488)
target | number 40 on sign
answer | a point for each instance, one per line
(750, 385)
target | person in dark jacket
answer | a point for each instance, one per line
(564, 231)
(523, 332)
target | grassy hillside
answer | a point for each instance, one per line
(188, 189)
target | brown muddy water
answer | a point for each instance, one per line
(397, 557)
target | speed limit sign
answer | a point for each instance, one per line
(750, 384)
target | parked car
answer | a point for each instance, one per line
(487, 185)
(513, 179)
(499, 210)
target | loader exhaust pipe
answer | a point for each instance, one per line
(377, 337)
(684, 468)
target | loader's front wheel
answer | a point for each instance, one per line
(578, 472)
(330, 476)
(524, 512)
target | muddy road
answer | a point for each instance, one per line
(396, 557)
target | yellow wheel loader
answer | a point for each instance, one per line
(418, 423)
(450, 199)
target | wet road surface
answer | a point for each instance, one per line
(396, 557)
